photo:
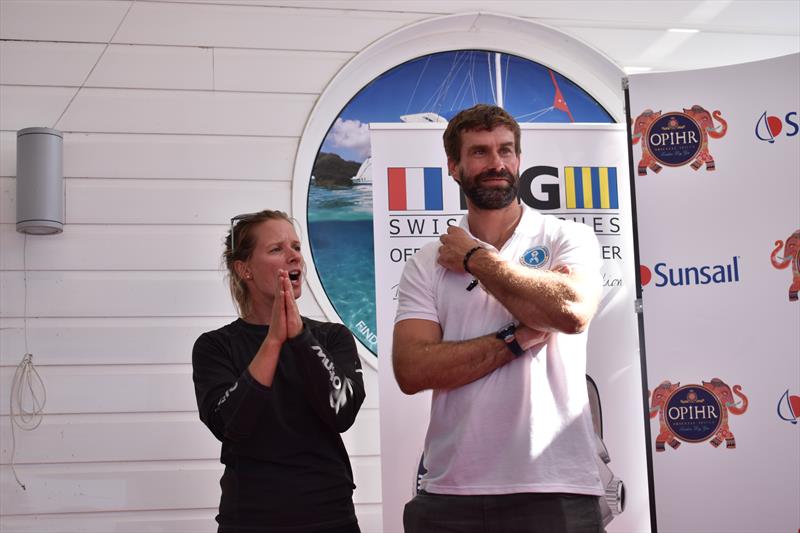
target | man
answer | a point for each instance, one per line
(493, 319)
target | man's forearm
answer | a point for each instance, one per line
(420, 365)
(541, 299)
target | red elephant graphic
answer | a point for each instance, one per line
(640, 127)
(726, 400)
(791, 255)
(707, 129)
(659, 400)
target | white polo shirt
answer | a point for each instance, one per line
(526, 426)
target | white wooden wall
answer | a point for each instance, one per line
(176, 116)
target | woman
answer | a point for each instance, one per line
(277, 389)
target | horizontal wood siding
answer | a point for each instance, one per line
(175, 117)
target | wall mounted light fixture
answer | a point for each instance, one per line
(40, 181)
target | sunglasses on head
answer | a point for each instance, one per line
(234, 221)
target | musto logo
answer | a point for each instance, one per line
(674, 139)
(678, 276)
(769, 126)
(696, 413)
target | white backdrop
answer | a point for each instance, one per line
(736, 323)
(613, 342)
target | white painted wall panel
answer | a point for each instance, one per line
(105, 341)
(196, 112)
(162, 340)
(98, 155)
(94, 487)
(370, 518)
(12, 291)
(143, 437)
(164, 388)
(178, 156)
(179, 521)
(122, 294)
(256, 27)
(113, 389)
(8, 206)
(57, 20)
(275, 71)
(154, 67)
(8, 153)
(11, 244)
(27, 107)
(97, 201)
(116, 247)
(169, 201)
(38, 63)
(115, 437)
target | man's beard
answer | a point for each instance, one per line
(490, 197)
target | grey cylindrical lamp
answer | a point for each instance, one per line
(40, 181)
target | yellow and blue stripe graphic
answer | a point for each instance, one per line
(591, 187)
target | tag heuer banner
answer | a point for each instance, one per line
(574, 171)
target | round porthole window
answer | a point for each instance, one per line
(332, 193)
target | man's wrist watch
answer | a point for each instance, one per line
(507, 334)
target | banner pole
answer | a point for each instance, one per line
(640, 313)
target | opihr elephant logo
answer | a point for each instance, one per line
(707, 129)
(676, 138)
(696, 413)
(791, 255)
(640, 127)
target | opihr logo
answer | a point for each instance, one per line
(696, 413)
(677, 138)
(673, 139)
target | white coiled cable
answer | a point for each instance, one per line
(28, 397)
(28, 394)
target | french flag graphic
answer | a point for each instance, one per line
(415, 188)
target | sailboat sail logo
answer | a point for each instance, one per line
(768, 127)
(789, 407)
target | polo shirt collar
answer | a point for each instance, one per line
(527, 224)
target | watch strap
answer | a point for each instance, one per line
(514, 346)
(507, 335)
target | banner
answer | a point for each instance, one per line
(716, 154)
(578, 172)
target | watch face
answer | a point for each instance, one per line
(507, 333)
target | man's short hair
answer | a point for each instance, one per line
(480, 117)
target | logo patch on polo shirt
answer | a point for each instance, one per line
(535, 257)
